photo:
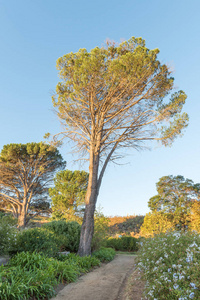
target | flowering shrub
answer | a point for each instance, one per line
(170, 264)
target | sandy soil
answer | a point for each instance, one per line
(109, 282)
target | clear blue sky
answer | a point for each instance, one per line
(34, 34)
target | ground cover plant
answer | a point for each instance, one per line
(35, 275)
(170, 264)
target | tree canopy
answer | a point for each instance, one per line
(26, 171)
(156, 223)
(68, 194)
(175, 197)
(112, 98)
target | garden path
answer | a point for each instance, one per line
(105, 283)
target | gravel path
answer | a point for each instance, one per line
(104, 283)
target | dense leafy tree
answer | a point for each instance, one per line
(195, 216)
(26, 171)
(175, 198)
(68, 194)
(156, 223)
(112, 98)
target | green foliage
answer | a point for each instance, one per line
(104, 254)
(25, 174)
(195, 217)
(101, 229)
(130, 70)
(175, 198)
(8, 233)
(68, 194)
(124, 243)
(39, 240)
(84, 263)
(156, 223)
(17, 283)
(34, 275)
(70, 230)
(170, 263)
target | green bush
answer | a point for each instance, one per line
(104, 254)
(84, 263)
(18, 283)
(39, 240)
(34, 275)
(101, 228)
(8, 233)
(71, 230)
(125, 243)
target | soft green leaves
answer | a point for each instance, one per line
(68, 194)
(175, 197)
(118, 92)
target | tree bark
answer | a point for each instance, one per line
(22, 217)
(87, 228)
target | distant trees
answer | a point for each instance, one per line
(175, 197)
(26, 171)
(68, 194)
(126, 225)
(110, 99)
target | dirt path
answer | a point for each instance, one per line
(104, 283)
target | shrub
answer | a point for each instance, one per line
(101, 228)
(18, 283)
(170, 264)
(104, 254)
(34, 275)
(8, 233)
(84, 263)
(39, 240)
(125, 243)
(71, 230)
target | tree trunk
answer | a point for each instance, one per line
(22, 217)
(87, 228)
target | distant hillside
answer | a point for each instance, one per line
(126, 225)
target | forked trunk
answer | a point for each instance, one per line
(87, 228)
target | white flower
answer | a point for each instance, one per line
(193, 285)
(193, 245)
(176, 286)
